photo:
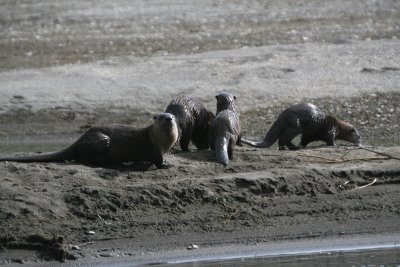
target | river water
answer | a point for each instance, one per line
(363, 258)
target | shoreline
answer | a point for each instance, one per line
(222, 252)
(163, 208)
(277, 248)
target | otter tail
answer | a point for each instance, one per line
(221, 150)
(254, 143)
(59, 156)
(269, 139)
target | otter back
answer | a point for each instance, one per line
(193, 121)
(108, 146)
(309, 121)
(225, 128)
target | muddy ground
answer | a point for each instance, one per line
(342, 56)
(262, 196)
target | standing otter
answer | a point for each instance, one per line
(108, 146)
(225, 128)
(193, 121)
(313, 125)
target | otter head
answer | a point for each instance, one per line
(165, 131)
(348, 133)
(225, 100)
(165, 120)
(200, 136)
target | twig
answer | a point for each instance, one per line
(319, 157)
(338, 160)
(342, 186)
(371, 183)
(345, 154)
(85, 244)
(78, 247)
(379, 153)
(345, 160)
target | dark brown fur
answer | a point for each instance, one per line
(108, 146)
(313, 125)
(225, 128)
(193, 121)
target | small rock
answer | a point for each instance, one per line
(192, 246)
(18, 261)
(106, 255)
(91, 232)
(75, 247)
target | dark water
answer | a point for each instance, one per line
(365, 258)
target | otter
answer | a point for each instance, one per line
(224, 131)
(110, 146)
(193, 121)
(313, 125)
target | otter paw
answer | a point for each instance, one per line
(164, 165)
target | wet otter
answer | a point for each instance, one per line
(313, 125)
(225, 128)
(193, 121)
(110, 146)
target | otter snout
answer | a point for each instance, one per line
(355, 138)
(166, 118)
(357, 143)
(170, 120)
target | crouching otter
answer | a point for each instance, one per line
(313, 125)
(225, 128)
(110, 146)
(193, 121)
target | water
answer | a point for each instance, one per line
(364, 258)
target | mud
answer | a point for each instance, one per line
(266, 193)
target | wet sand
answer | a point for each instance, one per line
(264, 195)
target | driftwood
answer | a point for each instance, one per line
(343, 158)
(338, 160)
(363, 186)
(379, 153)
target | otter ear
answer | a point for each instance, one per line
(216, 97)
(234, 97)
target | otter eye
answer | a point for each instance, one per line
(155, 117)
(352, 130)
